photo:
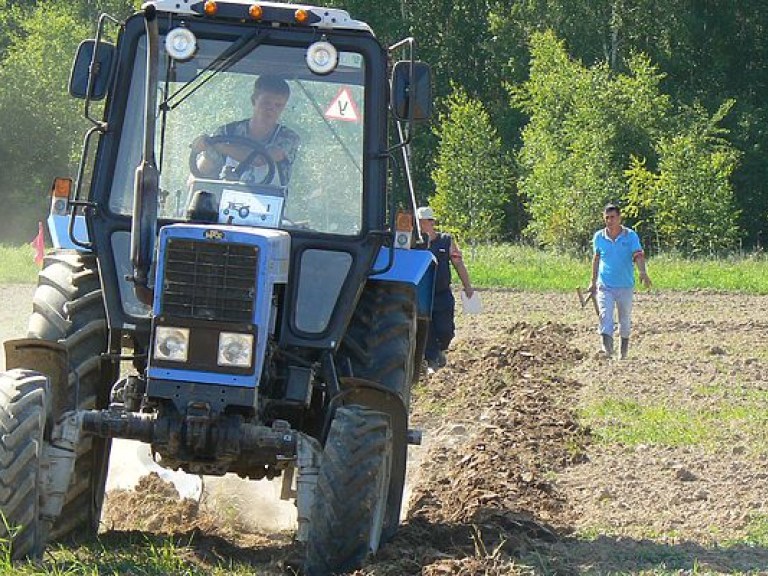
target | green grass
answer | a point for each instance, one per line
(138, 555)
(513, 266)
(17, 265)
(632, 423)
(525, 268)
(735, 274)
(757, 531)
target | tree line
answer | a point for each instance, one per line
(546, 110)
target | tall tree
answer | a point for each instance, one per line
(689, 202)
(589, 124)
(46, 124)
(709, 52)
(584, 123)
(473, 180)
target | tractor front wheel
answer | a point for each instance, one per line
(381, 346)
(351, 494)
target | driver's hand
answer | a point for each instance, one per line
(200, 144)
(276, 153)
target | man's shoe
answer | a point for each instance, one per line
(624, 348)
(607, 344)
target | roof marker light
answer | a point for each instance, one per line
(210, 8)
(62, 187)
(256, 11)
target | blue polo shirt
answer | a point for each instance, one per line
(616, 257)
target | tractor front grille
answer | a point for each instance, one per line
(209, 280)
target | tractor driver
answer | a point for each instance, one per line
(220, 158)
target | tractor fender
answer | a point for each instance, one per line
(44, 356)
(361, 392)
(416, 267)
(58, 228)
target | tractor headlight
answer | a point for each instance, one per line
(235, 349)
(181, 44)
(171, 344)
(322, 57)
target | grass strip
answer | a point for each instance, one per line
(514, 266)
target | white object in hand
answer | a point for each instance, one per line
(471, 305)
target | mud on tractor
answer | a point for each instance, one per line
(259, 326)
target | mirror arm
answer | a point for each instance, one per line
(93, 66)
(409, 177)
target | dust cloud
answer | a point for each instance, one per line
(248, 504)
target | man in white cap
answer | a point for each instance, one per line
(446, 251)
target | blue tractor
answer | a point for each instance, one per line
(257, 317)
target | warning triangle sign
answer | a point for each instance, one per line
(343, 107)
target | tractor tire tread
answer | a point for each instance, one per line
(68, 307)
(345, 493)
(24, 405)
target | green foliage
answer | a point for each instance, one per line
(689, 203)
(473, 179)
(595, 136)
(620, 106)
(44, 122)
(37, 43)
(582, 121)
(707, 52)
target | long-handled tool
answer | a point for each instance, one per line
(585, 296)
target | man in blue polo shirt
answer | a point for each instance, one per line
(616, 248)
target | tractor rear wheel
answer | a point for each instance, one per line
(351, 494)
(381, 346)
(68, 307)
(24, 405)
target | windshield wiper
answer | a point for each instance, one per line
(223, 62)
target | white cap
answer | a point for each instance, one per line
(425, 213)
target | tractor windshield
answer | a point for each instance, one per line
(246, 124)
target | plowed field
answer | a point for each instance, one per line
(541, 456)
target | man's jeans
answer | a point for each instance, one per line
(621, 298)
(442, 328)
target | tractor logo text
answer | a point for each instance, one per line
(213, 235)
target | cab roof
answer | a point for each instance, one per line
(325, 18)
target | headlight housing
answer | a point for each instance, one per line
(322, 57)
(181, 44)
(235, 349)
(171, 344)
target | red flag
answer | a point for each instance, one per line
(39, 244)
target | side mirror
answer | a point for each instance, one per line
(80, 80)
(411, 93)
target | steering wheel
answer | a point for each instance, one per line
(256, 151)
